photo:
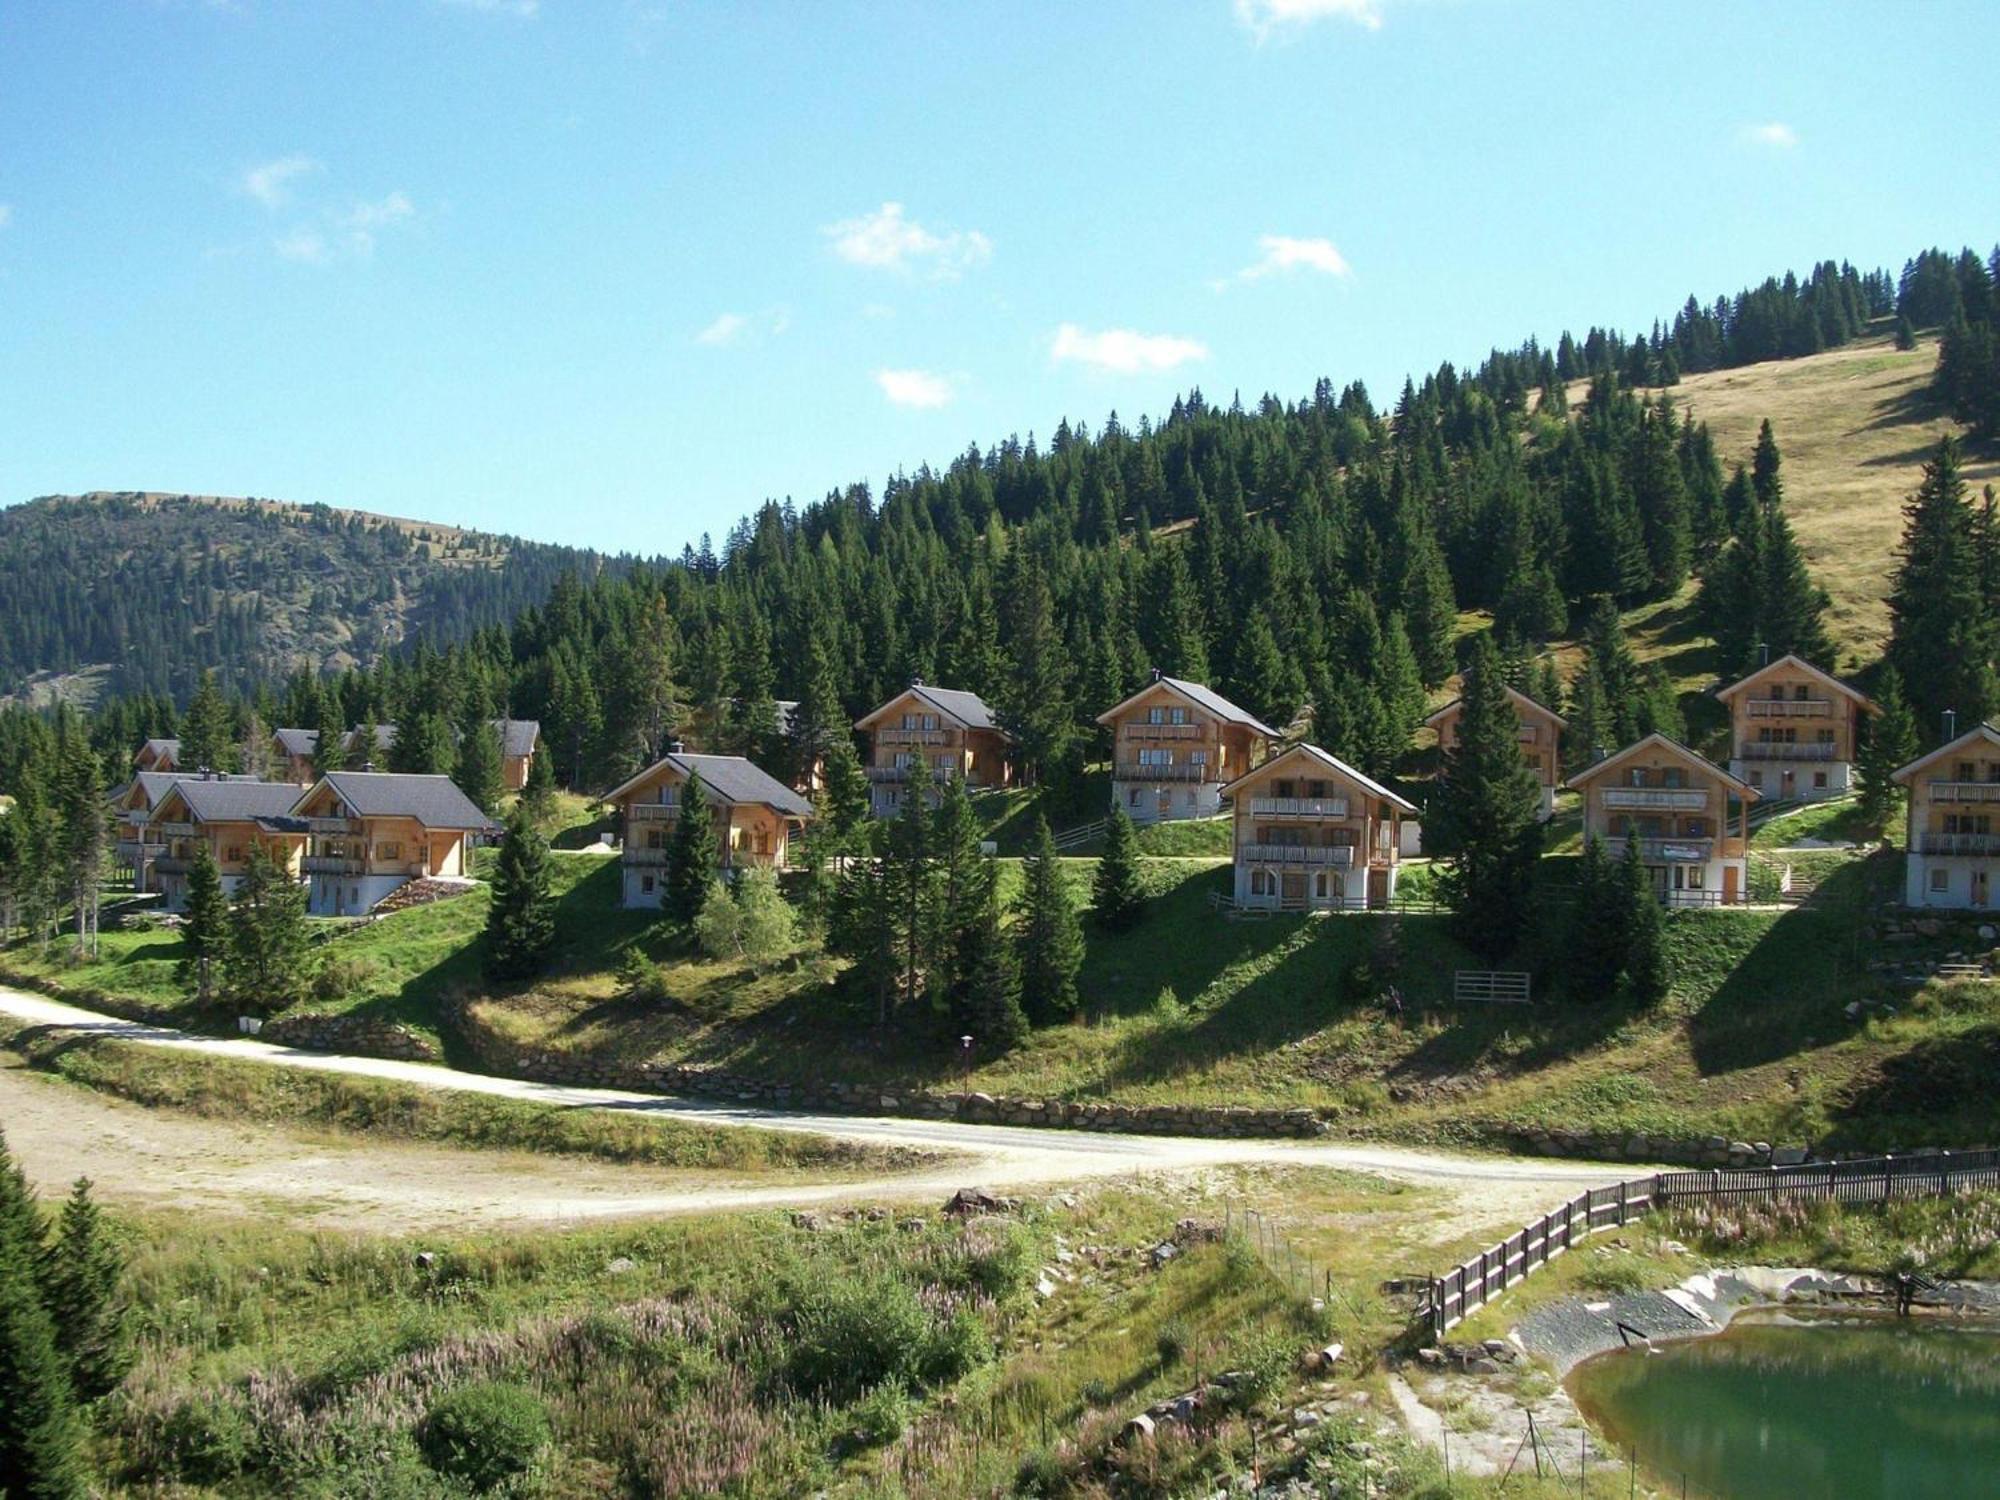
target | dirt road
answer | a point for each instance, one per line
(60, 1131)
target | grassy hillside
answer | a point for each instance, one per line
(1855, 426)
(1756, 1041)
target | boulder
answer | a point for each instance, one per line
(968, 1201)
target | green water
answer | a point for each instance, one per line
(1846, 1408)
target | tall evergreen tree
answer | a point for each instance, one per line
(990, 1007)
(1048, 938)
(964, 878)
(41, 1436)
(1117, 895)
(1890, 742)
(1646, 977)
(84, 828)
(910, 889)
(481, 771)
(521, 916)
(539, 794)
(1599, 936)
(205, 737)
(205, 926)
(82, 1273)
(1942, 630)
(1486, 802)
(270, 963)
(330, 748)
(693, 857)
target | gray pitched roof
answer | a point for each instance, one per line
(235, 801)
(968, 708)
(167, 746)
(518, 736)
(301, 742)
(728, 778)
(1205, 698)
(1332, 763)
(434, 801)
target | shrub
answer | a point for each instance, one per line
(1173, 1341)
(341, 978)
(483, 1433)
(211, 1440)
(882, 1414)
(1265, 1363)
(642, 981)
(1240, 1263)
(849, 1335)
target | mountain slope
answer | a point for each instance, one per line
(140, 591)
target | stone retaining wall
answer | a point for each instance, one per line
(1694, 1151)
(498, 1055)
(360, 1035)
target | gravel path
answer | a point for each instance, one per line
(62, 1131)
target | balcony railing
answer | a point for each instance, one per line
(913, 736)
(891, 773)
(1672, 850)
(641, 812)
(1959, 843)
(1790, 708)
(639, 854)
(1134, 771)
(1163, 731)
(172, 864)
(1298, 854)
(1678, 798)
(334, 864)
(163, 831)
(1964, 791)
(333, 825)
(1779, 750)
(1298, 807)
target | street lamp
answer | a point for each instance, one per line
(965, 1058)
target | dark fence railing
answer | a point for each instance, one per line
(1469, 1286)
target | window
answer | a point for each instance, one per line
(646, 885)
(1262, 883)
(1198, 757)
(1674, 776)
(1693, 881)
(1940, 881)
(1132, 797)
(1826, 736)
(1819, 780)
(1757, 779)
(233, 854)
(1801, 692)
(1189, 795)
(1636, 776)
(389, 851)
(1179, 716)
(655, 839)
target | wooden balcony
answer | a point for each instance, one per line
(334, 864)
(913, 736)
(1958, 843)
(639, 854)
(1789, 708)
(1340, 855)
(1671, 850)
(645, 812)
(1778, 750)
(892, 773)
(1679, 799)
(173, 864)
(1134, 771)
(1963, 791)
(335, 826)
(164, 831)
(1164, 731)
(1298, 807)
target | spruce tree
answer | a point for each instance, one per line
(538, 796)
(41, 1436)
(964, 879)
(1487, 800)
(1117, 896)
(693, 857)
(330, 748)
(1889, 743)
(1942, 630)
(270, 960)
(1645, 957)
(910, 889)
(843, 801)
(989, 1006)
(423, 746)
(817, 719)
(1048, 939)
(205, 740)
(521, 916)
(204, 926)
(1599, 927)
(481, 770)
(84, 828)
(82, 1274)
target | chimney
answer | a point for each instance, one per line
(1950, 725)
(1596, 754)
(1763, 653)
(1158, 674)
(916, 682)
(677, 747)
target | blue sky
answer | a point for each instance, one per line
(611, 272)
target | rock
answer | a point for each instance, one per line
(1988, 932)
(1139, 1429)
(1498, 1348)
(1044, 1287)
(1430, 1356)
(1929, 927)
(620, 1264)
(810, 1222)
(973, 1200)
(1305, 1417)
(1163, 1252)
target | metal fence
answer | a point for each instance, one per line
(1467, 1287)
(1492, 986)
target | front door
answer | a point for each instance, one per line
(1378, 888)
(1292, 890)
(1166, 803)
(1978, 887)
(1729, 885)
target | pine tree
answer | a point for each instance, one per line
(205, 925)
(1599, 927)
(205, 743)
(693, 857)
(843, 802)
(81, 1275)
(816, 721)
(521, 916)
(1645, 958)
(538, 795)
(423, 746)
(481, 771)
(1048, 939)
(964, 879)
(910, 889)
(330, 748)
(41, 1437)
(1943, 631)
(258, 756)
(1171, 621)
(990, 1004)
(270, 961)
(1486, 803)
(1889, 744)
(1117, 896)
(81, 813)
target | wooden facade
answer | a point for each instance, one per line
(1311, 833)
(179, 828)
(1540, 730)
(1953, 823)
(927, 733)
(1691, 818)
(1175, 745)
(1794, 730)
(754, 816)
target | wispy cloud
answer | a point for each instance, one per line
(889, 240)
(270, 183)
(6, 214)
(349, 233)
(1124, 351)
(923, 389)
(1284, 255)
(361, 223)
(1773, 133)
(306, 246)
(1267, 18)
(738, 328)
(527, 10)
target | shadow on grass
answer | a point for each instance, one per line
(1938, 1092)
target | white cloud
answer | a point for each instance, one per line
(887, 240)
(306, 246)
(1124, 351)
(724, 330)
(360, 224)
(1773, 133)
(6, 214)
(919, 388)
(344, 234)
(1266, 17)
(1283, 254)
(270, 182)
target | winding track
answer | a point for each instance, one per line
(993, 1155)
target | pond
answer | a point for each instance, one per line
(1780, 1407)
